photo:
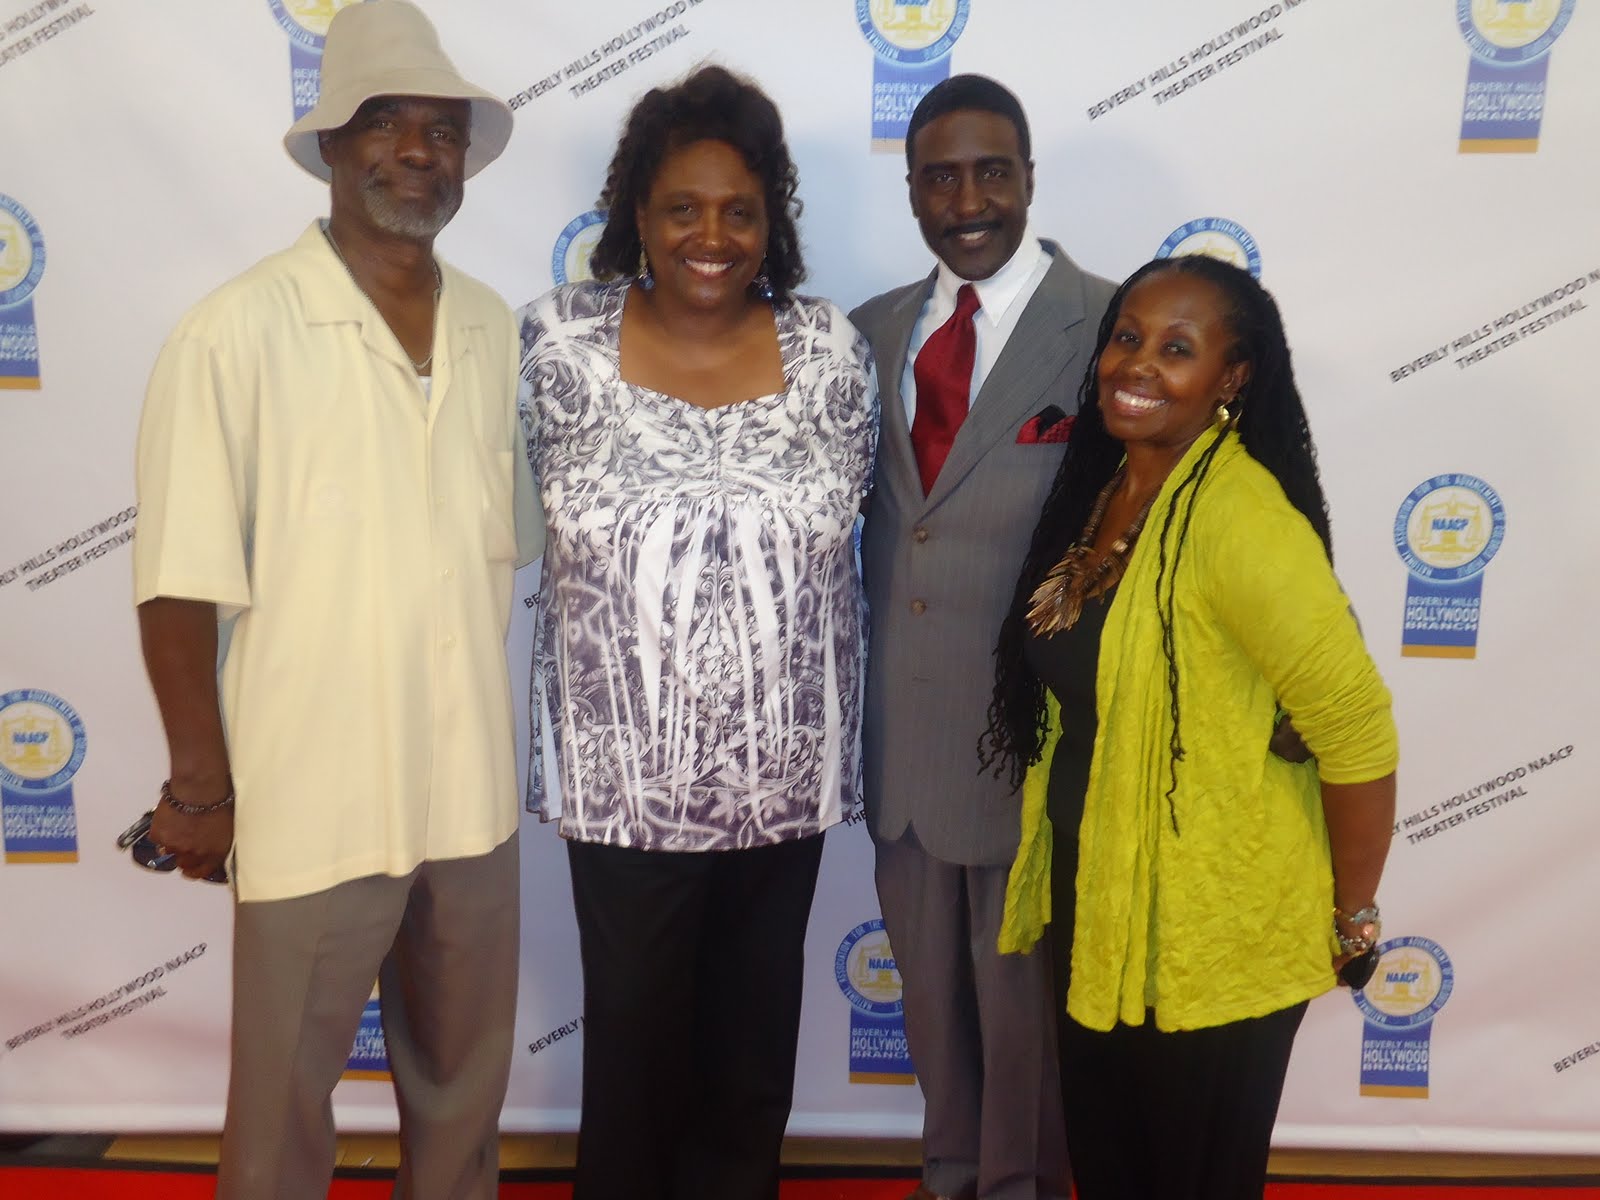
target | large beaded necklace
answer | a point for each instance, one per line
(1057, 603)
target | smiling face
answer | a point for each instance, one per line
(1168, 365)
(970, 190)
(399, 163)
(704, 226)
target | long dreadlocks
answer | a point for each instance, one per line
(1271, 425)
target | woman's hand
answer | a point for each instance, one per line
(1358, 934)
(1360, 819)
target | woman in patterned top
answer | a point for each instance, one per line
(704, 439)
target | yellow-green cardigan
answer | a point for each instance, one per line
(1229, 917)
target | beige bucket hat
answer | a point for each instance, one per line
(389, 48)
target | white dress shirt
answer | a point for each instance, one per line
(1002, 297)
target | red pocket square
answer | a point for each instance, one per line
(1052, 425)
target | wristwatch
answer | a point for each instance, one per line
(1361, 918)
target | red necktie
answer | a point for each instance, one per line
(943, 372)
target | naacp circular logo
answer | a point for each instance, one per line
(1217, 237)
(41, 741)
(306, 21)
(865, 971)
(21, 253)
(912, 34)
(569, 261)
(1508, 34)
(1413, 980)
(1449, 527)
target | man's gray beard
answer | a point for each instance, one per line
(403, 220)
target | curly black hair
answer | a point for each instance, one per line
(1271, 425)
(715, 104)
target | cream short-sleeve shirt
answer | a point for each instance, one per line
(359, 535)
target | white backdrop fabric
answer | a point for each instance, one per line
(1439, 301)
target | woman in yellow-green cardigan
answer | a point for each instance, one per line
(1177, 604)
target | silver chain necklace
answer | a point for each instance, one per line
(438, 287)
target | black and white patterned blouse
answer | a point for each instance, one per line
(702, 640)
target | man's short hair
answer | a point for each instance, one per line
(969, 92)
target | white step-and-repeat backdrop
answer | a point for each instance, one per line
(1416, 182)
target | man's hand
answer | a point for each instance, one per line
(201, 842)
(179, 638)
(1287, 743)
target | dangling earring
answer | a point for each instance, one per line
(1229, 418)
(647, 281)
(762, 283)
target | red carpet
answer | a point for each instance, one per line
(60, 1183)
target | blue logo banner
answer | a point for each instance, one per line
(1394, 1062)
(21, 268)
(1216, 237)
(306, 22)
(1510, 42)
(1441, 619)
(569, 258)
(19, 348)
(865, 970)
(911, 42)
(305, 78)
(369, 1057)
(42, 746)
(1447, 530)
(1413, 981)
(896, 91)
(39, 826)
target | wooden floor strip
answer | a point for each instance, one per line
(544, 1151)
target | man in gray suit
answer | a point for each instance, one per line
(979, 366)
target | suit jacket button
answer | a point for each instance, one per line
(920, 533)
(918, 607)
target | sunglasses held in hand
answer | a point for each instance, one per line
(137, 841)
(1358, 972)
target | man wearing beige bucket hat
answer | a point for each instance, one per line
(330, 468)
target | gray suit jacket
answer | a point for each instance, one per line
(940, 569)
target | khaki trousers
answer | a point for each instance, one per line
(442, 943)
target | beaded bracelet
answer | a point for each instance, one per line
(1363, 918)
(191, 810)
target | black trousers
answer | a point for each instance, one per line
(1163, 1116)
(693, 967)
(1174, 1116)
